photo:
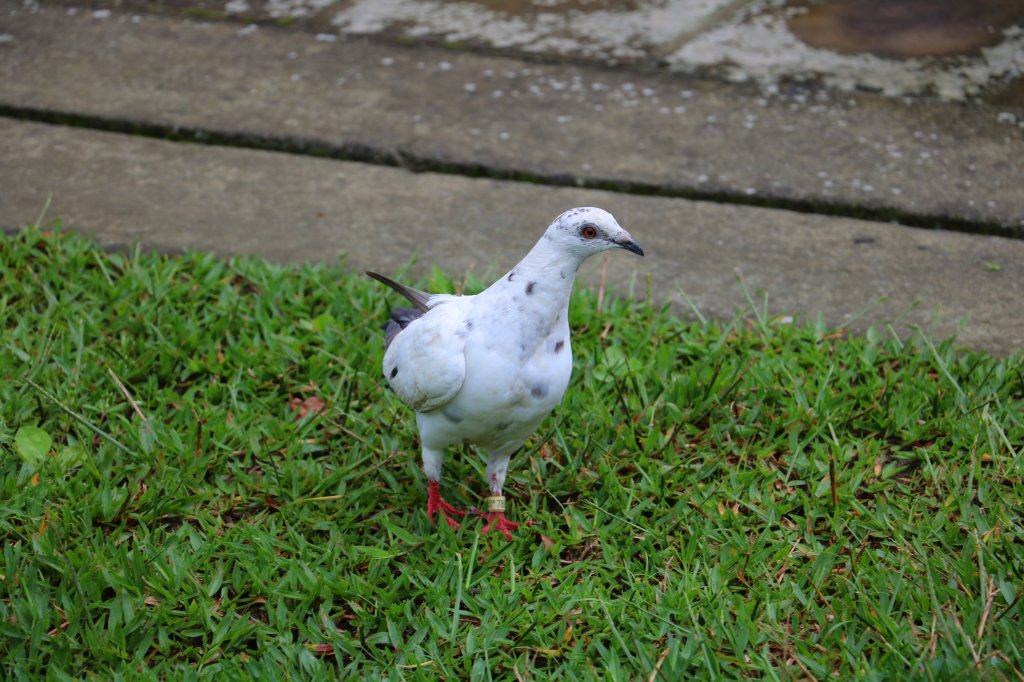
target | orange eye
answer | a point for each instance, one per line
(588, 231)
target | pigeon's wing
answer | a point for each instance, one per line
(398, 319)
(425, 363)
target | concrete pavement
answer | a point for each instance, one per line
(727, 160)
(819, 151)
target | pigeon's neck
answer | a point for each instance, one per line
(536, 294)
(547, 260)
(548, 268)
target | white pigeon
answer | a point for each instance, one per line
(486, 369)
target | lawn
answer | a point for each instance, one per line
(203, 475)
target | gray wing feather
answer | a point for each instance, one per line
(420, 299)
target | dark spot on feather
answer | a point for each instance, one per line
(501, 426)
(539, 391)
(453, 417)
(394, 372)
(558, 346)
(529, 288)
(561, 273)
(511, 275)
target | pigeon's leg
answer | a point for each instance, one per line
(436, 503)
(497, 467)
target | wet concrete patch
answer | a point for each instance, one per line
(907, 29)
(843, 45)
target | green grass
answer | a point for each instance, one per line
(712, 500)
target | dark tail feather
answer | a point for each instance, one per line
(400, 319)
(416, 297)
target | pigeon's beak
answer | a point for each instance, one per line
(627, 243)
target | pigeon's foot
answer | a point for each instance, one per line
(436, 504)
(497, 520)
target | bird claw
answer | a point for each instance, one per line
(437, 504)
(498, 520)
(495, 519)
(452, 523)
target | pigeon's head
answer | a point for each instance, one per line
(587, 230)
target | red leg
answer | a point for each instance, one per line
(436, 503)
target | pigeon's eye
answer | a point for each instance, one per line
(588, 231)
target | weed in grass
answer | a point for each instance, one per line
(201, 474)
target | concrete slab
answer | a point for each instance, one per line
(924, 163)
(124, 189)
(948, 48)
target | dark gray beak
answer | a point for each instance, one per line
(630, 245)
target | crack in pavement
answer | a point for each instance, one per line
(419, 163)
